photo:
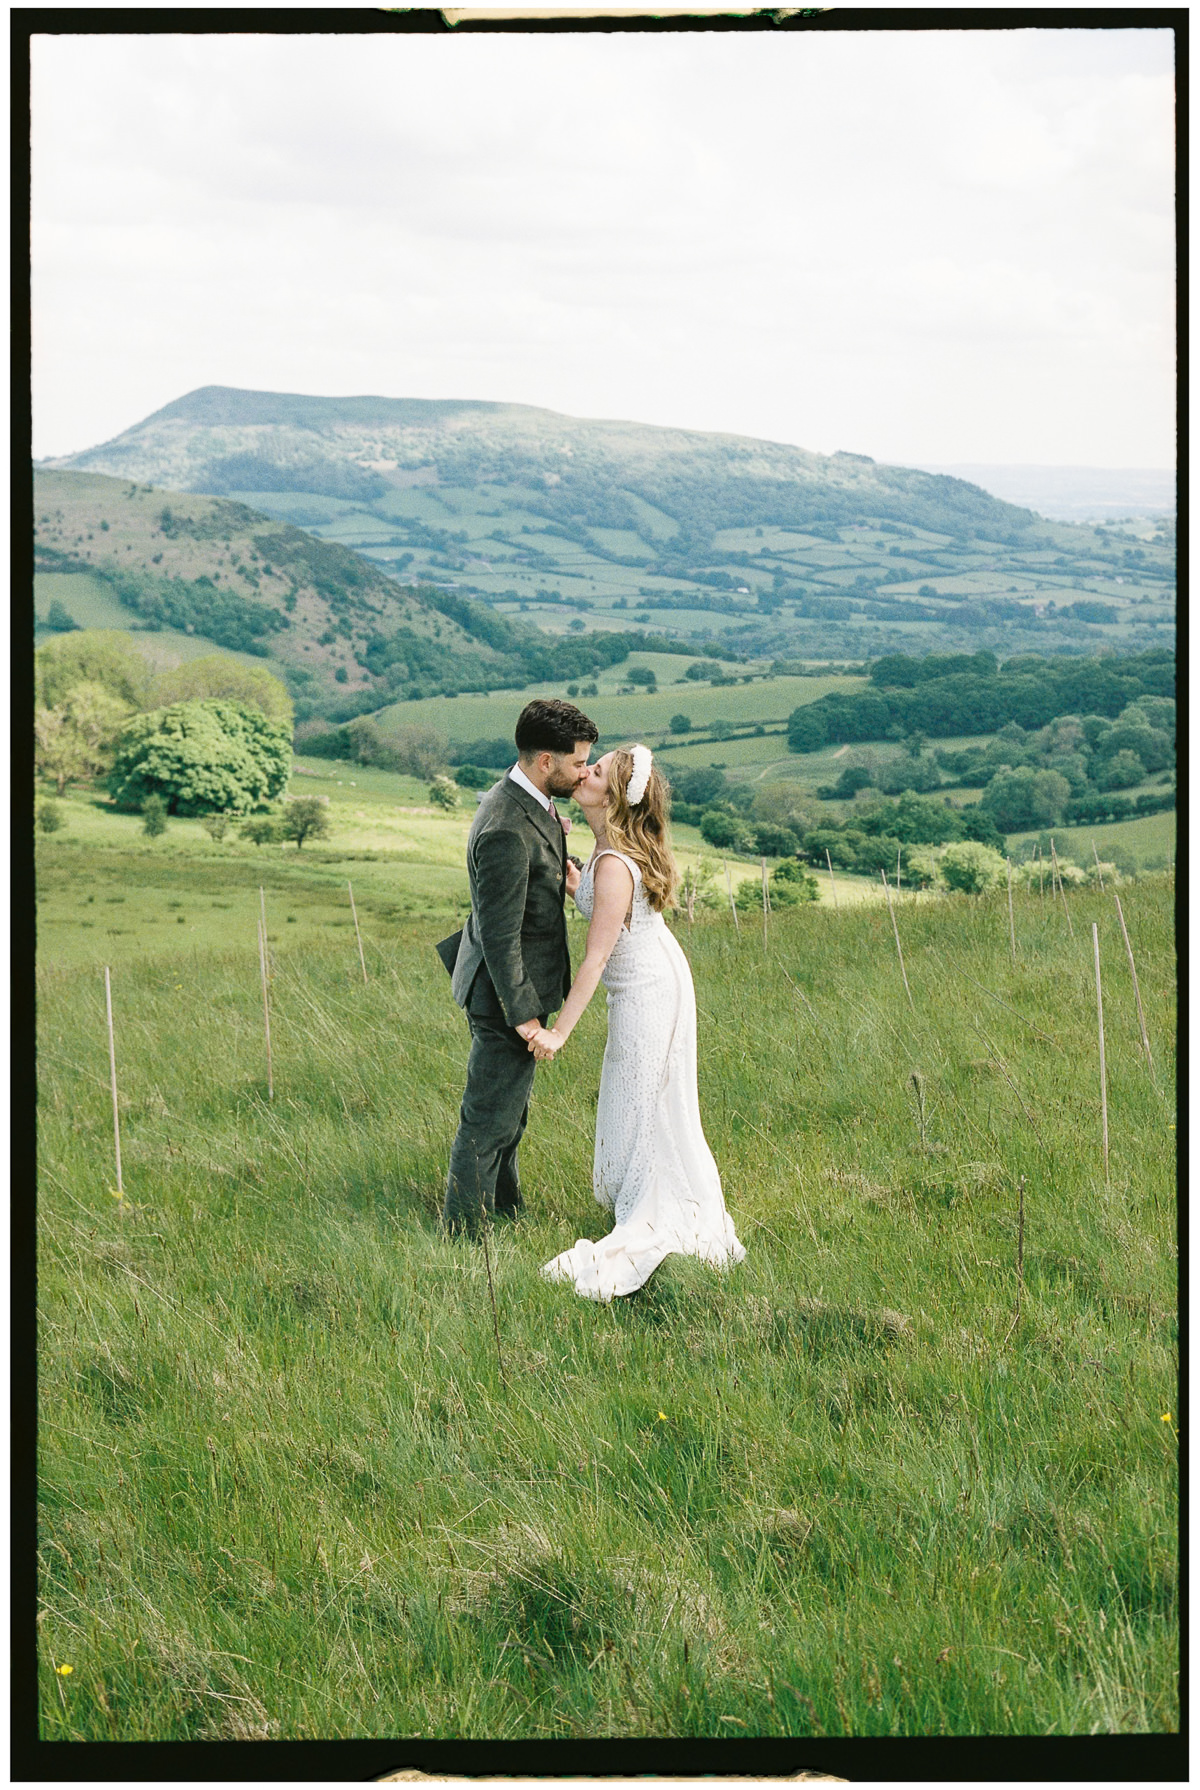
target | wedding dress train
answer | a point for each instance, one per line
(653, 1168)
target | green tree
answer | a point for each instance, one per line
(771, 841)
(1121, 771)
(421, 751)
(220, 675)
(1021, 798)
(49, 817)
(201, 757)
(215, 825)
(808, 729)
(442, 793)
(58, 751)
(307, 817)
(96, 655)
(59, 618)
(154, 817)
(77, 738)
(725, 831)
(680, 724)
(642, 674)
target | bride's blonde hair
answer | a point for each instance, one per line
(641, 832)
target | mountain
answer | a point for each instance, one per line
(587, 526)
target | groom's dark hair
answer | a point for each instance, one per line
(552, 726)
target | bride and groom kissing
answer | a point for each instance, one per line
(511, 969)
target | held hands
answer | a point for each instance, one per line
(545, 1045)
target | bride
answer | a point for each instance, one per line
(652, 1168)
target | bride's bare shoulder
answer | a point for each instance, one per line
(613, 869)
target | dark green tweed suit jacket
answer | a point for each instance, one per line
(516, 932)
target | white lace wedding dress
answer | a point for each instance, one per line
(653, 1168)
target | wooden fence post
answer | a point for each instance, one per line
(1100, 1027)
(112, 1070)
(262, 964)
(1137, 993)
(896, 930)
(357, 933)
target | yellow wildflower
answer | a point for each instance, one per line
(64, 1671)
(662, 1417)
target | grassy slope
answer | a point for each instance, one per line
(218, 540)
(287, 1493)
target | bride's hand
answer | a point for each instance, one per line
(573, 875)
(545, 1045)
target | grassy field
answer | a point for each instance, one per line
(1150, 839)
(287, 1490)
(770, 699)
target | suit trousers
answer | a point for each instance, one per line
(483, 1178)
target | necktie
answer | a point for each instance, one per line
(553, 810)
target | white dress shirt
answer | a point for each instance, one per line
(518, 776)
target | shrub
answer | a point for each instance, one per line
(789, 891)
(442, 793)
(49, 817)
(970, 867)
(680, 724)
(474, 776)
(215, 826)
(261, 829)
(154, 816)
(642, 674)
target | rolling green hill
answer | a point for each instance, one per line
(585, 527)
(344, 634)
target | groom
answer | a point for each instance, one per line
(510, 964)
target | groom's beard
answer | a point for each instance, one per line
(564, 783)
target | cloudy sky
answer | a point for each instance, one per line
(934, 246)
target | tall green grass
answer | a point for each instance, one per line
(287, 1492)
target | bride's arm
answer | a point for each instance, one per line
(612, 883)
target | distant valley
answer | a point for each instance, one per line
(382, 549)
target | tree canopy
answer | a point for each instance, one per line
(104, 656)
(201, 757)
(220, 675)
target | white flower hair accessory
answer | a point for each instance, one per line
(639, 777)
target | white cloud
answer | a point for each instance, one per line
(926, 246)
